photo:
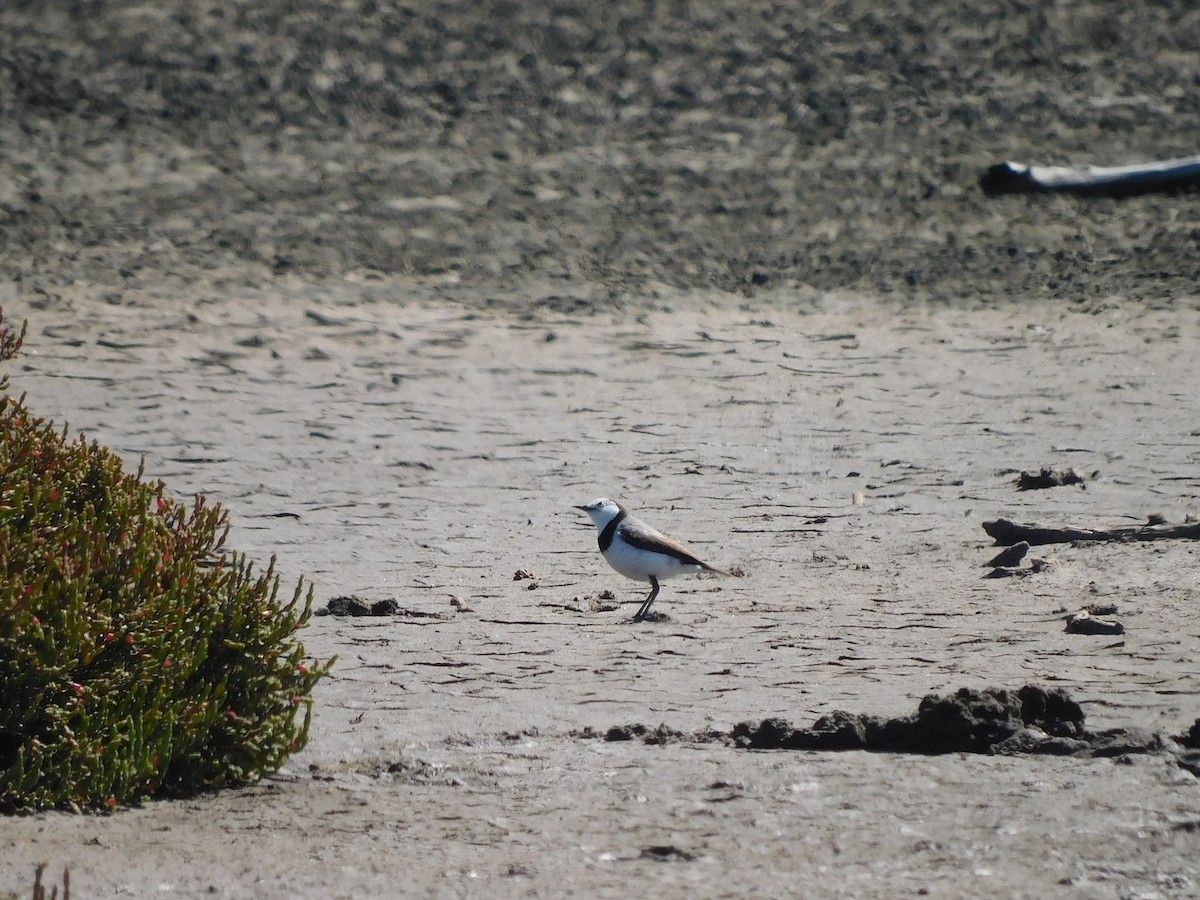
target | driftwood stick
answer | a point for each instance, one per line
(1007, 533)
(1113, 181)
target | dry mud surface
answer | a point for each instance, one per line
(399, 287)
(844, 460)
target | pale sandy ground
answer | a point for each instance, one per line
(184, 182)
(396, 448)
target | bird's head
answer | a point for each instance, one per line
(602, 511)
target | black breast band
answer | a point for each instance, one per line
(610, 531)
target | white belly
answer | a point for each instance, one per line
(641, 564)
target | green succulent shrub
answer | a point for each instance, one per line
(138, 657)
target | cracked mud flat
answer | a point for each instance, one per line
(845, 460)
(400, 326)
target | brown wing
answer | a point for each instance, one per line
(639, 534)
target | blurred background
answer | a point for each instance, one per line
(583, 155)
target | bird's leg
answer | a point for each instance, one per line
(641, 613)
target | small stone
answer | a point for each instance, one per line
(1083, 623)
(1048, 478)
(667, 852)
(346, 606)
(1010, 556)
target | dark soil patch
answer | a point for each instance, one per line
(1048, 478)
(352, 605)
(1031, 720)
(593, 151)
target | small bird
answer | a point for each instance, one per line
(639, 552)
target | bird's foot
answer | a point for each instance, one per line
(647, 617)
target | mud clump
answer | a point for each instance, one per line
(1031, 719)
(1048, 478)
(658, 735)
(355, 606)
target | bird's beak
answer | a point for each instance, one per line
(584, 508)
